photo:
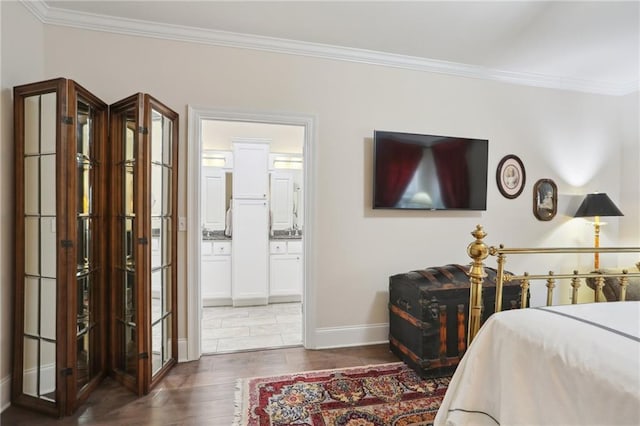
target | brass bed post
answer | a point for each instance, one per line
(478, 251)
(499, 277)
(551, 283)
(524, 285)
(598, 289)
(624, 280)
(575, 285)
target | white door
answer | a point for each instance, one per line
(213, 198)
(281, 200)
(250, 252)
(285, 284)
(250, 170)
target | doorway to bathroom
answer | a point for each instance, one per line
(253, 189)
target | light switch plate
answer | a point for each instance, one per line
(182, 223)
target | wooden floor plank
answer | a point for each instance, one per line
(200, 392)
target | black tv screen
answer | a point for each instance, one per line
(429, 172)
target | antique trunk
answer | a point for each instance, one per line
(428, 315)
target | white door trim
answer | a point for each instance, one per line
(194, 154)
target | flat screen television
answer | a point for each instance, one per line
(429, 172)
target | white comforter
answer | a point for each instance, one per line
(566, 365)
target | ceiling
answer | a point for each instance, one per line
(591, 46)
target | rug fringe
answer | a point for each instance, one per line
(237, 403)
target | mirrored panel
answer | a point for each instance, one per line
(48, 247)
(130, 352)
(128, 191)
(32, 185)
(157, 193)
(48, 185)
(84, 117)
(32, 125)
(84, 201)
(166, 239)
(166, 191)
(168, 336)
(48, 309)
(31, 303)
(157, 135)
(82, 310)
(156, 347)
(166, 290)
(48, 122)
(156, 295)
(157, 234)
(167, 142)
(30, 372)
(84, 245)
(47, 370)
(82, 360)
(32, 246)
(129, 257)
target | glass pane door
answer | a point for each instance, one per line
(127, 257)
(40, 271)
(163, 319)
(143, 137)
(59, 345)
(90, 243)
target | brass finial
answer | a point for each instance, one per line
(478, 250)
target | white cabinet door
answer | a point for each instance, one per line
(281, 200)
(250, 252)
(285, 278)
(213, 198)
(216, 280)
(250, 170)
(215, 274)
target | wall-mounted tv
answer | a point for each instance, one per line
(429, 172)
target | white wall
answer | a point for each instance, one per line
(630, 177)
(22, 61)
(570, 137)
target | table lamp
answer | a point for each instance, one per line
(596, 205)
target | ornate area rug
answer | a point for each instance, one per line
(380, 395)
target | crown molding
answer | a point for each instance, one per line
(55, 16)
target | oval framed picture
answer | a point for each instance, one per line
(510, 176)
(545, 199)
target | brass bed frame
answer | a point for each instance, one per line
(479, 251)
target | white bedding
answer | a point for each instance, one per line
(566, 365)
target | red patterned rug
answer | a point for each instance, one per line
(380, 395)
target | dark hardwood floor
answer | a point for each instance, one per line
(199, 392)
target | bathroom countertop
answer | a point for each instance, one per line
(215, 236)
(285, 235)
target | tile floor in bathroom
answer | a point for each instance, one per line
(229, 329)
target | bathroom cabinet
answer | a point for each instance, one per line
(281, 200)
(250, 169)
(285, 271)
(250, 222)
(216, 273)
(213, 198)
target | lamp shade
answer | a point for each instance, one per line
(598, 204)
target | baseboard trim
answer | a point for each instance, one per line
(287, 298)
(5, 393)
(342, 337)
(216, 301)
(182, 350)
(249, 301)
